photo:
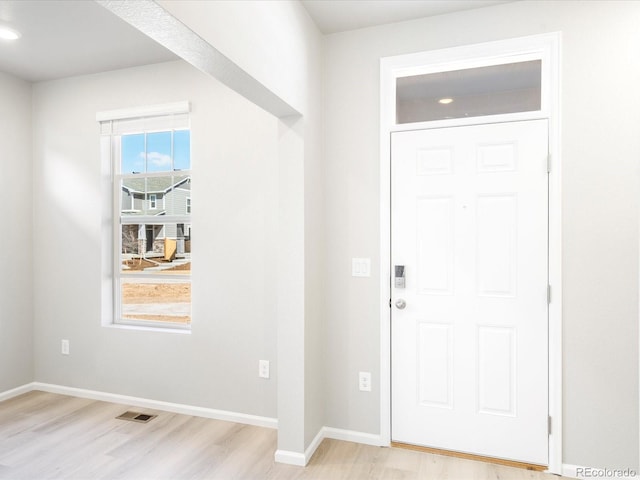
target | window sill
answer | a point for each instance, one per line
(145, 328)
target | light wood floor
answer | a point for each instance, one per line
(47, 436)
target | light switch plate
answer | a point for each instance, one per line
(263, 368)
(364, 381)
(360, 267)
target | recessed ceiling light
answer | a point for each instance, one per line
(445, 101)
(7, 33)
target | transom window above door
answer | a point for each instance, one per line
(469, 92)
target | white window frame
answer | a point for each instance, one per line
(153, 201)
(113, 125)
(188, 206)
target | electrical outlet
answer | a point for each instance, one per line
(65, 347)
(263, 368)
(364, 381)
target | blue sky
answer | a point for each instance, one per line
(158, 154)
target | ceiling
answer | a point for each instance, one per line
(63, 38)
(332, 16)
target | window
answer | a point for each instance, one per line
(151, 185)
(472, 92)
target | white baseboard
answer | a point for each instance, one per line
(290, 458)
(570, 471)
(302, 459)
(313, 446)
(577, 471)
(159, 405)
(353, 436)
(14, 392)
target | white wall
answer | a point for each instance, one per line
(16, 315)
(600, 149)
(234, 158)
(278, 44)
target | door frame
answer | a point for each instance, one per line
(545, 47)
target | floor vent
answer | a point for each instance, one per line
(136, 417)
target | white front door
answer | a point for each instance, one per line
(470, 348)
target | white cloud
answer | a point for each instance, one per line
(157, 160)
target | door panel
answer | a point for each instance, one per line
(496, 245)
(435, 348)
(434, 268)
(469, 351)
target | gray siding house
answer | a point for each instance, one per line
(161, 197)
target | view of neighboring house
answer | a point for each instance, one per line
(165, 195)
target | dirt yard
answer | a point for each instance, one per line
(161, 318)
(156, 293)
(148, 293)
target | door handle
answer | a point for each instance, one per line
(400, 304)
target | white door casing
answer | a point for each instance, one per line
(470, 350)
